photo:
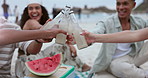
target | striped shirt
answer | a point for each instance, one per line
(6, 51)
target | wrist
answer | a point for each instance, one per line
(94, 38)
(99, 38)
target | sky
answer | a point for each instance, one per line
(62, 3)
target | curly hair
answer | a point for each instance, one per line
(25, 16)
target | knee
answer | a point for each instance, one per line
(118, 69)
(126, 70)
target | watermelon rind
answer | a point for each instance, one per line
(45, 74)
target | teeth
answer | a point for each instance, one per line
(34, 15)
(123, 11)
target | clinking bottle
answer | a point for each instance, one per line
(67, 22)
(63, 24)
(80, 40)
(54, 22)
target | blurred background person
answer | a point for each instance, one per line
(5, 9)
(16, 13)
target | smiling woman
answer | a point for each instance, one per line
(33, 18)
(36, 12)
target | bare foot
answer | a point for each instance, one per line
(85, 68)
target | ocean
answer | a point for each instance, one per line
(90, 18)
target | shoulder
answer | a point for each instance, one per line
(30, 21)
(108, 20)
(138, 20)
(32, 24)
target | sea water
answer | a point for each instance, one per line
(90, 18)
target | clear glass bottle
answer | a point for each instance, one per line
(69, 23)
(63, 24)
(54, 22)
(80, 40)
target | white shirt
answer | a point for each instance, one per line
(122, 49)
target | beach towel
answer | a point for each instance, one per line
(82, 74)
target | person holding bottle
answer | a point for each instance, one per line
(113, 58)
(34, 17)
(12, 37)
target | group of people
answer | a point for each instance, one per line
(122, 35)
(33, 18)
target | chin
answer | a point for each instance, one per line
(122, 16)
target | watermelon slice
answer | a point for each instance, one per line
(45, 66)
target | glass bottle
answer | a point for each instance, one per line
(80, 40)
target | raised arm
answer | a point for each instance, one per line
(120, 37)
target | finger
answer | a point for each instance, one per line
(83, 32)
(62, 31)
(70, 37)
(45, 40)
(48, 40)
(48, 20)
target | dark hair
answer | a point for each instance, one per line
(25, 16)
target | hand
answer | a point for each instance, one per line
(55, 26)
(70, 40)
(44, 40)
(48, 20)
(51, 33)
(90, 37)
(73, 50)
